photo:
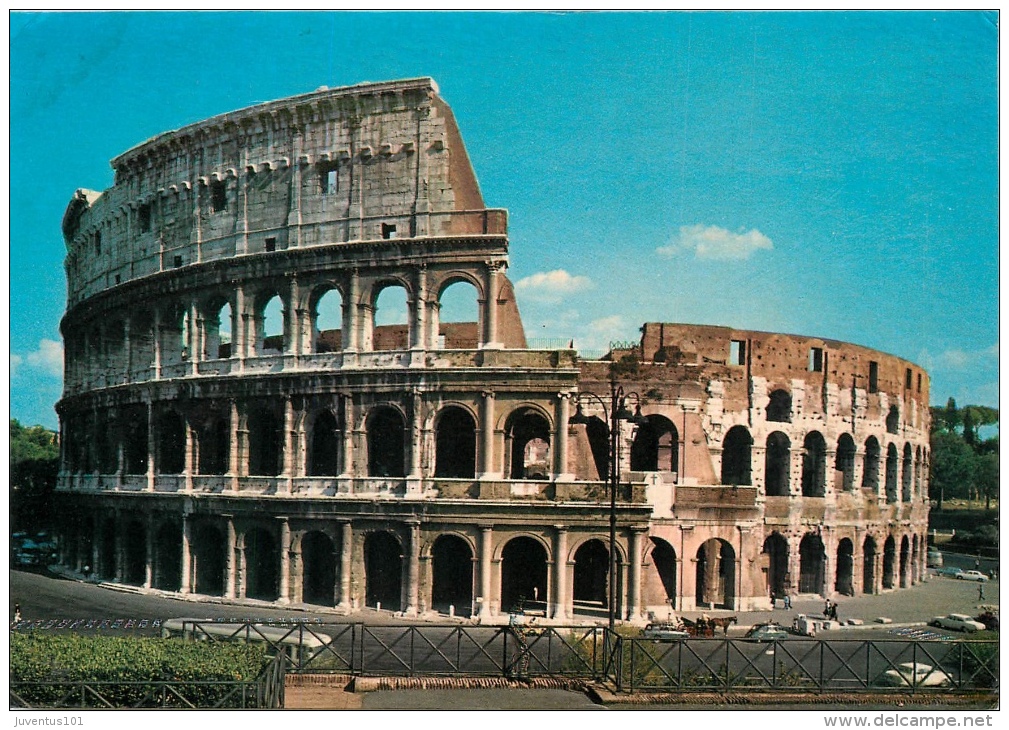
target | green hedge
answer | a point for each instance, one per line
(74, 658)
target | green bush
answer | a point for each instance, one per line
(37, 658)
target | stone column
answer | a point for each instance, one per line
(352, 315)
(193, 342)
(346, 554)
(240, 574)
(634, 556)
(490, 305)
(285, 560)
(186, 556)
(151, 447)
(120, 551)
(561, 437)
(487, 440)
(418, 314)
(238, 327)
(234, 464)
(149, 552)
(120, 458)
(288, 456)
(413, 486)
(486, 550)
(413, 570)
(127, 353)
(560, 602)
(292, 323)
(96, 541)
(156, 343)
(190, 457)
(348, 435)
(231, 558)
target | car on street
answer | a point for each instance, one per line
(975, 575)
(914, 674)
(663, 632)
(949, 572)
(957, 622)
(767, 632)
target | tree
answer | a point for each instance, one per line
(986, 477)
(953, 463)
(35, 461)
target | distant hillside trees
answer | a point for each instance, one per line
(964, 465)
(35, 462)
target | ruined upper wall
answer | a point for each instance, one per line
(364, 162)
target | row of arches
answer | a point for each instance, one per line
(910, 469)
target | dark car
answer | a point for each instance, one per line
(767, 632)
(989, 619)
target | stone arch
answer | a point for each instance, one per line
(383, 570)
(168, 557)
(716, 574)
(812, 564)
(452, 575)
(915, 558)
(325, 451)
(889, 562)
(777, 465)
(844, 579)
(318, 558)
(262, 564)
(870, 465)
(455, 444)
(893, 420)
(776, 550)
(386, 431)
(663, 558)
(457, 314)
(598, 434)
(869, 565)
(135, 552)
(779, 406)
(844, 464)
(270, 323)
(209, 560)
(656, 446)
(906, 473)
(527, 444)
(918, 468)
(133, 432)
(219, 328)
(892, 467)
(814, 465)
(325, 307)
(905, 562)
(736, 449)
(523, 574)
(591, 574)
(171, 444)
(215, 445)
(174, 345)
(266, 441)
(390, 316)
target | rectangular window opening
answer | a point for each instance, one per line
(271, 244)
(873, 377)
(144, 216)
(177, 261)
(218, 196)
(98, 243)
(907, 378)
(919, 382)
(329, 179)
(737, 352)
(816, 359)
(388, 230)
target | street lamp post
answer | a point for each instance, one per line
(616, 413)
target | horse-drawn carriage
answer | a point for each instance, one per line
(704, 626)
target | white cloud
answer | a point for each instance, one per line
(958, 359)
(48, 358)
(552, 286)
(712, 242)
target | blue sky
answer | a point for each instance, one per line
(826, 174)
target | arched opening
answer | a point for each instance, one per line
(914, 560)
(844, 582)
(105, 447)
(318, 555)
(391, 319)
(528, 434)
(383, 567)
(779, 406)
(869, 566)
(270, 326)
(812, 558)
(326, 312)
(209, 556)
(386, 443)
(889, 562)
(918, 467)
(455, 444)
(814, 465)
(776, 550)
(171, 447)
(266, 442)
(736, 456)
(326, 446)
(893, 420)
(458, 317)
(870, 465)
(168, 557)
(452, 575)
(523, 575)
(656, 446)
(599, 441)
(218, 328)
(134, 434)
(664, 559)
(135, 551)
(905, 562)
(215, 446)
(891, 474)
(592, 565)
(262, 565)
(106, 567)
(844, 464)
(777, 465)
(716, 574)
(906, 473)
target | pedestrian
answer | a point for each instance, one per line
(826, 608)
(774, 598)
(787, 601)
(17, 613)
(980, 591)
(833, 611)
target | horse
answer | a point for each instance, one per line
(724, 622)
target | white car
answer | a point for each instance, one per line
(663, 632)
(914, 674)
(972, 575)
(957, 622)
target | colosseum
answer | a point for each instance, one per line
(238, 420)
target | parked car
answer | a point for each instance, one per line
(975, 575)
(989, 619)
(914, 674)
(934, 558)
(767, 632)
(664, 632)
(957, 622)
(949, 572)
